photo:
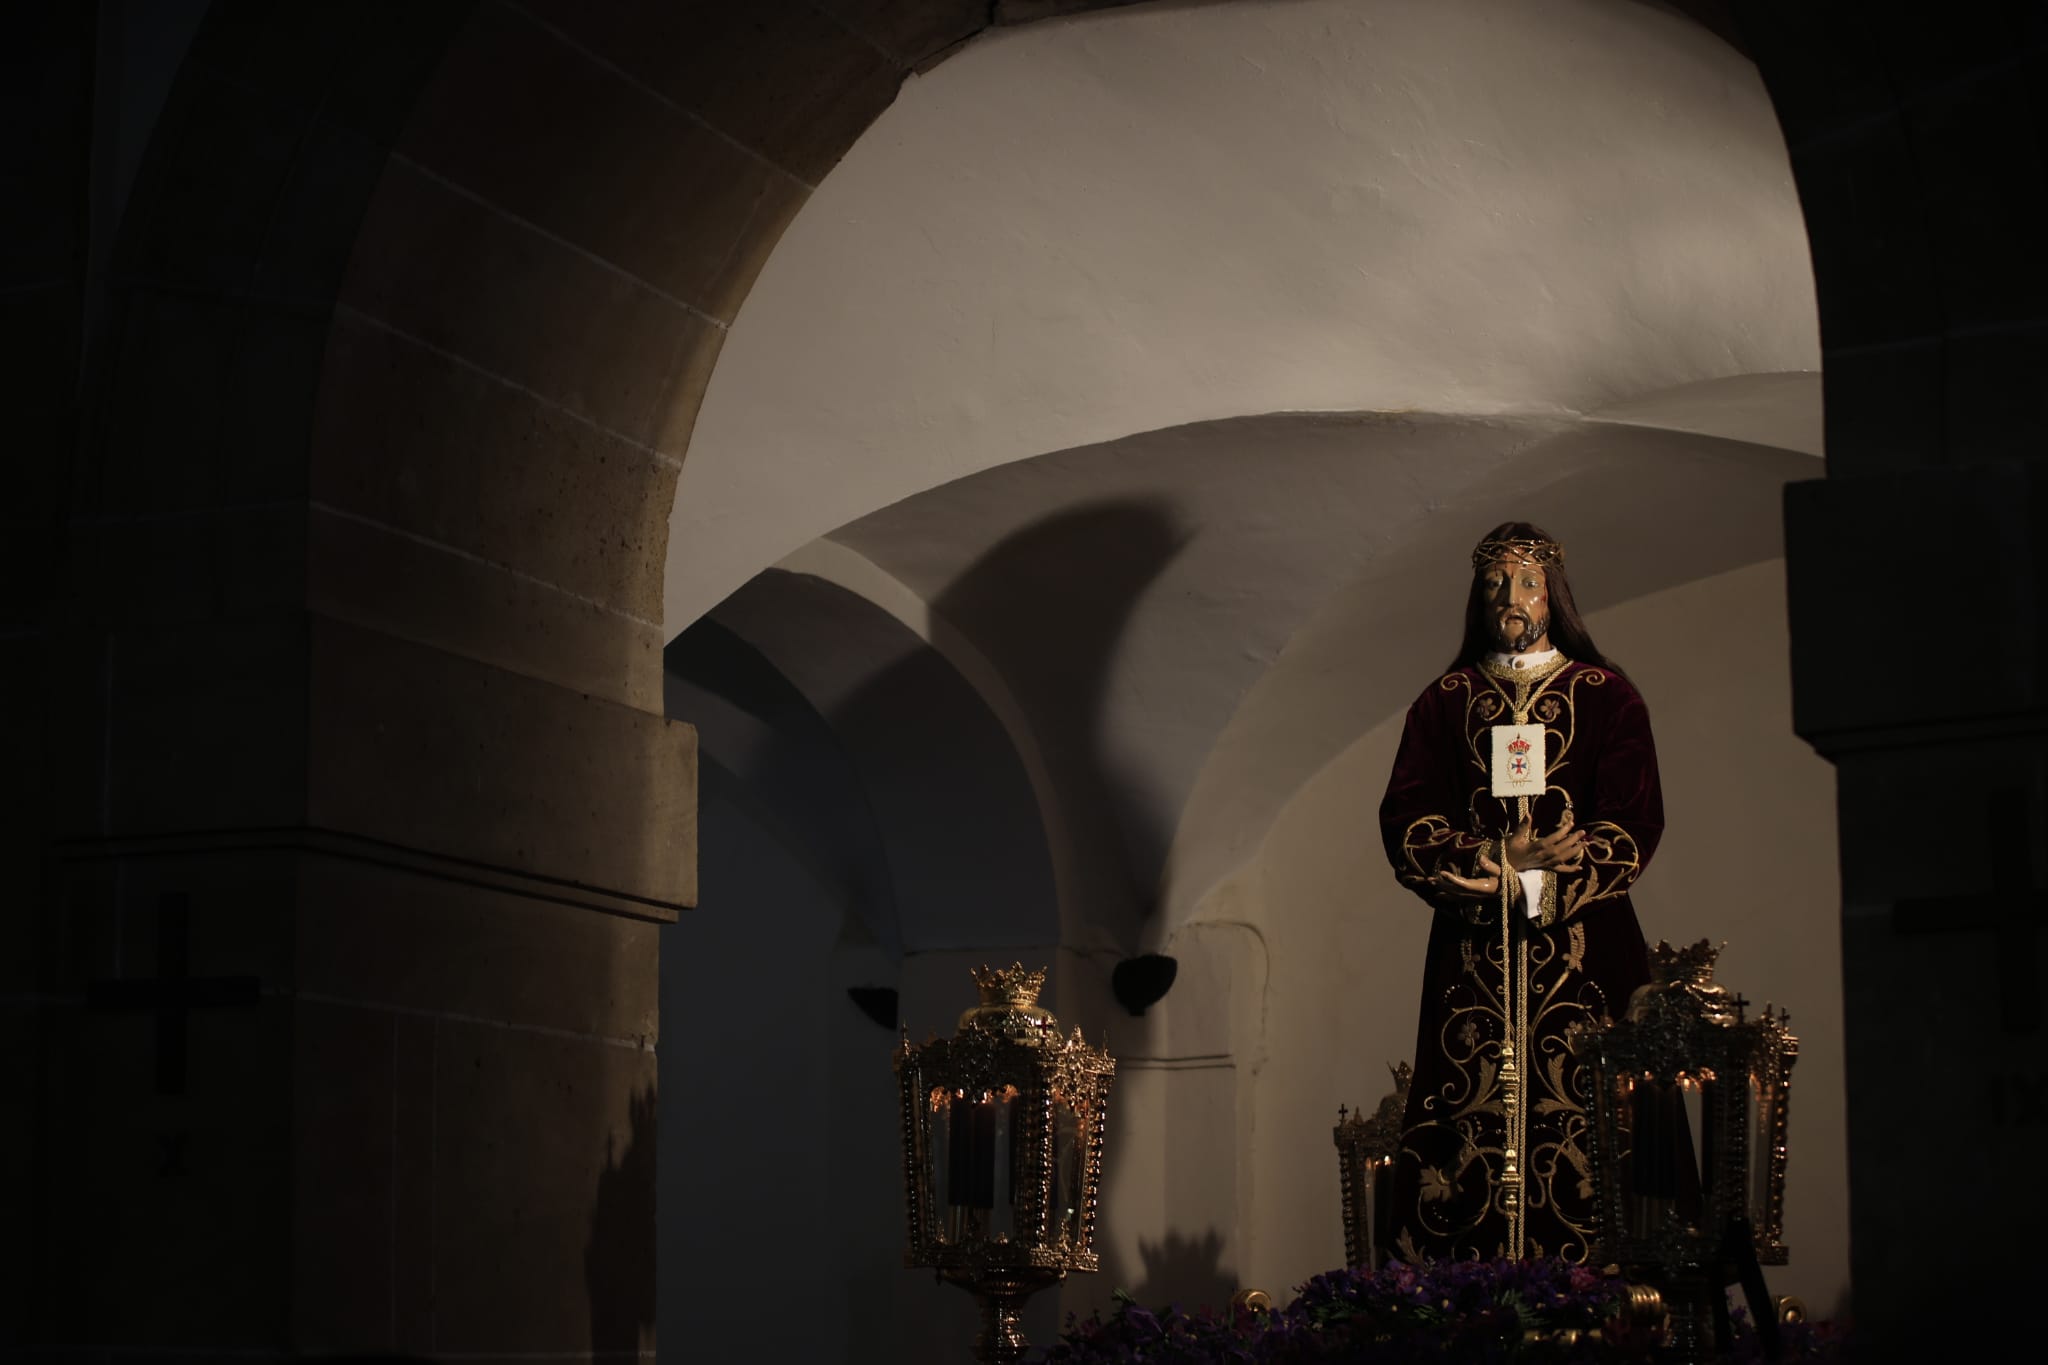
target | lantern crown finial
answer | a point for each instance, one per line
(1682, 986)
(1009, 1002)
(1012, 985)
(1692, 965)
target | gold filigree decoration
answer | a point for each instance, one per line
(1609, 863)
(1463, 1136)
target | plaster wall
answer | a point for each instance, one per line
(1161, 215)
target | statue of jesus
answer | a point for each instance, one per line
(1523, 805)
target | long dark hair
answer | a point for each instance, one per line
(1568, 632)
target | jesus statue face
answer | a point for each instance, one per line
(1517, 600)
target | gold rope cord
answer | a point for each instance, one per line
(1513, 1050)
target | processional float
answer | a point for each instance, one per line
(1689, 1125)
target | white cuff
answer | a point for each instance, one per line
(1532, 893)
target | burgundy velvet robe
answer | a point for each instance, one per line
(1582, 957)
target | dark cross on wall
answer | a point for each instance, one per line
(173, 993)
(2011, 913)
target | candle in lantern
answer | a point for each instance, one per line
(971, 1153)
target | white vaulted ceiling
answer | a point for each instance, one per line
(1172, 357)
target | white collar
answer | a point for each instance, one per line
(1519, 663)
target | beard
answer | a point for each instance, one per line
(1534, 628)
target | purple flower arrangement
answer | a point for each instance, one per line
(1532, 1312)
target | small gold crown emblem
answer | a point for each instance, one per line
(1518, 747)
(1010, 986)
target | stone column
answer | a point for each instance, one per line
(351, 989)
(1915, 581)
(1916, 626)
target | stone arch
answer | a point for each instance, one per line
(245, 377)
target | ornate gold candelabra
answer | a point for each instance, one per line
(1688, 1143)
(1002, 1152)
(1365, 1157)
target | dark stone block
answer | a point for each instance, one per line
(273, 389)
(1934, 555)
(537, 126)
(156, 572)
(544, 1193)
(378, 577)
(412, 1140)
(423, 944)
(317, 215)
(439, 265)
(162, 419)
(361, 64)
(205, 201)
(415, 441)
(1932, 50)
(1997, 393)
(42, 321)
(1918, 1006)
(46, 80)
(777, 76)
(1978, 170)
(211, 405)
(72, 667)
(164, 1217)
(375, 93)
(1885, 407)
(343, 1201)
(1822, 74)
(207, 726)
(288, 53)
(912, 31)
(418, 748)
(1873, 257)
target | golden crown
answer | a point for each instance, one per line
(1693, 963)
(1010, 986)
(1517, 552)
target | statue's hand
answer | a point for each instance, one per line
(1478, 888)
(1557, 851)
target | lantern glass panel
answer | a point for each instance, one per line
(1069, 1125)
(1695, 1099)
(1761, 1141)
(1656, 1140)
(938, 1170)
(974, 1164)
(1006, 1111)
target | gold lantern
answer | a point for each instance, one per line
(1002, 1152)
(1688, 1142)
(1366, 1147)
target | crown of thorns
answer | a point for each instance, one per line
(1517, 552)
